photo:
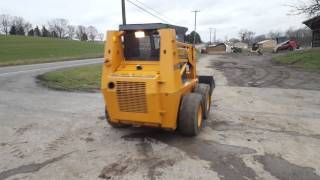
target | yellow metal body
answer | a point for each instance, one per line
(151, 96)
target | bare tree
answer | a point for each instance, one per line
(260, 38)
(5, 23)
(100, 36)
(18, 22)
(71, 30)
(27, 27)
(311, 8)
(92, 32)
(246, 35)
(59, 25)
(234, 40)
(242, 34)
(274, 34)
(81, 33)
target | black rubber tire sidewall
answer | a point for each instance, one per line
(188, 114)
(204, 91)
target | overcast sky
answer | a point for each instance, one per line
(227, 16)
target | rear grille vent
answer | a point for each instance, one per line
(132, 96)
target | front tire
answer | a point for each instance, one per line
(204, 91)
(190, 114)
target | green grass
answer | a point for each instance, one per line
(16, 50)
(86, 78)
(307, 59)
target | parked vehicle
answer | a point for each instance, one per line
(257, 48)
(287, 45)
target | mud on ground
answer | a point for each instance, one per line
(261, 71)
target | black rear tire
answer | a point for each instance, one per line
(208, 80)
(204, 91)
(114, 125)
(190, 123)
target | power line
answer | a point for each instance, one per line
(143, 9)
(156, 11)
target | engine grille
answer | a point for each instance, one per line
(132, 96)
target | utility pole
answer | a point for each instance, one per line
(210, 29)
(195, 26)
(215, 35)
(123, 5)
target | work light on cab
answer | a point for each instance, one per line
(139, 34)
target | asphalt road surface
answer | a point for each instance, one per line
(252, 133)
(27, 69)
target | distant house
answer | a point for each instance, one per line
(314, 25)
(268, 45)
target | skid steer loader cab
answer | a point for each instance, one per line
(149, 79)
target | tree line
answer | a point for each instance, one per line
(55, 28)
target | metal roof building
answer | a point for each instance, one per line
(314, 25)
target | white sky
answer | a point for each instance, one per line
(228, 16)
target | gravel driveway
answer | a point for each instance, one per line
(261, 132)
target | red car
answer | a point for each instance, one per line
(287, 45)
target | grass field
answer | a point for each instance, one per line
(16, 50)
(85, 78)
(307, 59)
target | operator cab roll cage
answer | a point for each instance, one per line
(147, 47)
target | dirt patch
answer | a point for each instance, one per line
(261, 71)
(285, 170)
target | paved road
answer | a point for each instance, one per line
(27, 69)
(252, 133)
